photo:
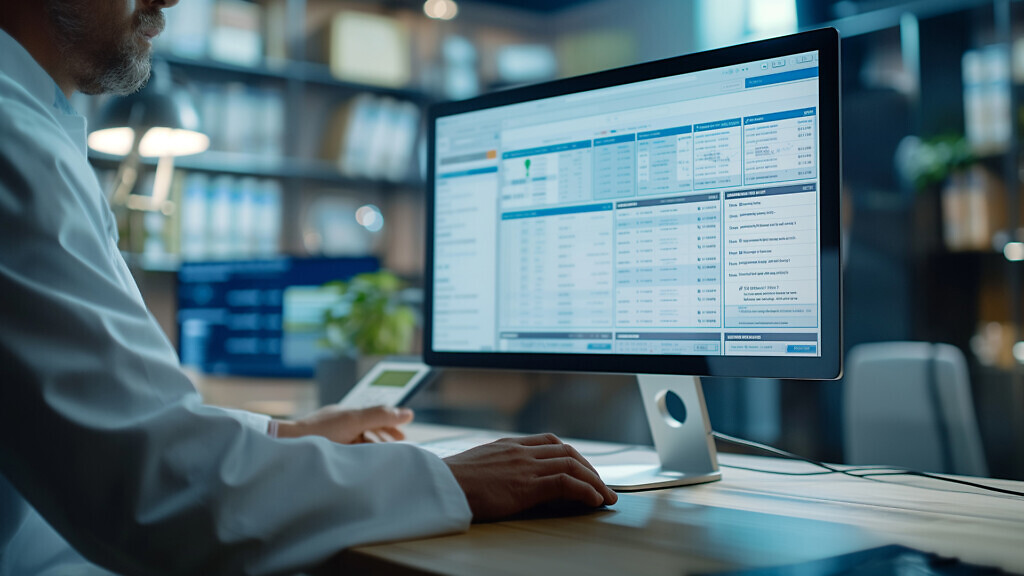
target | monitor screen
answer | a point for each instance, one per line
(260, 317)
(673, 216)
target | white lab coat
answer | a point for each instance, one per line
(105, 445)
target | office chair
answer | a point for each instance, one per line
(909, 404)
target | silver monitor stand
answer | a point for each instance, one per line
(679, 423)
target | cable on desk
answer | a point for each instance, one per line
(818, 473)
(851, 471)
(944, 479)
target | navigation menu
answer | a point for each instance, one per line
(464, 268)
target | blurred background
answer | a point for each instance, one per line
(314, 174)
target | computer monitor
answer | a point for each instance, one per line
(258, 317)
(678, 217)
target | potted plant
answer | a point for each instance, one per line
(369, 319)
(970, 212)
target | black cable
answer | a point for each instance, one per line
(773, 450)
(818, 473)
(944, 479)
(850, 471)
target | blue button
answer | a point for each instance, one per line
(602, 346)
(801, 348)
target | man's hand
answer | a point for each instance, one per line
(378, 424)
(511, 475)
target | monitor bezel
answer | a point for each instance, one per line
(827, 366)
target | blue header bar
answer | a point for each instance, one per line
(556, 211)
(615, 140)
(780, 116)
(664, 133)
(771, 337)
(473, 172)
(546, 150)
(753, 192)
(708, 126)
(789, 76)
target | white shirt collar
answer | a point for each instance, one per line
(19, 65)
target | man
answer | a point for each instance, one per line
(106, 451)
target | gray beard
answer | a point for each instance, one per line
(121, 69)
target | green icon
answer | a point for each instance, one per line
(527, 163)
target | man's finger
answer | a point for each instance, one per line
(569, 466)
(581, 471)
(387, 434)
(382, 417)
(392, 433)
(563, 487)
(559, 451)
(537, 440)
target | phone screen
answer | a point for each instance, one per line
(393, 378)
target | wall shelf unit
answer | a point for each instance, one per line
(284, 70)
(238, 164)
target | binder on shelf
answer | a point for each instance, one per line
(193, 217)
(243, 237)
(229, 31)
(219, 228)
(406, 127)
(381, 138)
(987, 114)
(366, 48)
(268, 218)
(275, 25)
(225, 218)
(236, 32)
(243, 119)
(372, 137)
(187, 29)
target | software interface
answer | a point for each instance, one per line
(260, 317)
(670, 216)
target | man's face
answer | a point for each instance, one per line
(106, 43)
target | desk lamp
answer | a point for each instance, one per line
(158, 121)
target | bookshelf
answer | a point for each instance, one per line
(889, 14)
(311, 73)
(284, 168)
(904, 75)
(269, 119)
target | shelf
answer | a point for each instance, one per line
(308, 72)
(151, 263)
(265, 167)
(889, 17)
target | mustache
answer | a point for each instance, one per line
(150, 19)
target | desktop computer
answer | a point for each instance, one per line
(673, 219)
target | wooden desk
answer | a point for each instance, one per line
(748, 519)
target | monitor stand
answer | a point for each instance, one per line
(679, 423)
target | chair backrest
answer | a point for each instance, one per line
(909, 404)
(12, 512)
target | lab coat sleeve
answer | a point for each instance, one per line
(257, 422)
(105, 436)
